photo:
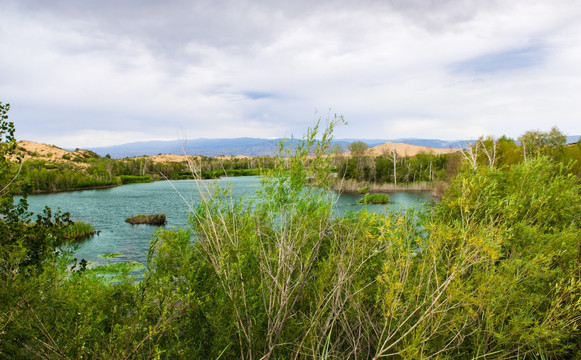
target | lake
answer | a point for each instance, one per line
(107, 209)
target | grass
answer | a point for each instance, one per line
(79, 231)
(131, 179)
(375, 199)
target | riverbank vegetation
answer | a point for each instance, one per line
(392, 171)
(493, 271)
(45, 173)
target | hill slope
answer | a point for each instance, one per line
(32, 150)
(406, 149)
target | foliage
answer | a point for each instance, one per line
(408, 169)
(7, 146)
(375, 199)
(132, 179)
(538, 143)
(78, 231)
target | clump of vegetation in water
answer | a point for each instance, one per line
(79, 230)
(154, 219)
(132, 179)
(375, 199)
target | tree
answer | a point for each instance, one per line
(23, 243)
(358, 150)
(7, 146)
(537, 143)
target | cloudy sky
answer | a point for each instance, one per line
(99, 72)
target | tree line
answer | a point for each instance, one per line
(503, 152)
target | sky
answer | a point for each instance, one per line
(100, 72)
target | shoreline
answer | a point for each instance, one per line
(353, 186)
(41, 192)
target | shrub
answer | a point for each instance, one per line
(375, 199)
(132, 179)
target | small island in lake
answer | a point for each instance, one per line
(154, 219)
(375, 199)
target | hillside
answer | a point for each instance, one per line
(406, 149)
(27, 150)
(32, 150)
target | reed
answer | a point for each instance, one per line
(79, 231)
(132, 179)
(375, 199)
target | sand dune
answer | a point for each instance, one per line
(405, 149)
(51, 153)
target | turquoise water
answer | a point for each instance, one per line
(107, 209)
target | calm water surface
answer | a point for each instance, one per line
(107, 210)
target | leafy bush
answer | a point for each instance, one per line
(132, 179)
(375, 199)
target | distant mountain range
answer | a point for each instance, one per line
(242, 146)
(252, 146)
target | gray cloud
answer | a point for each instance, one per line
(98, 72)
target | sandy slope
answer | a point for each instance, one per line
(184, 158)
(405, 149)
(51, 153)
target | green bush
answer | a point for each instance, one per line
(375, 199)
(132, 179)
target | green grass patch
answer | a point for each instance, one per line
(79, 231)
(375, 199)
(132, 179)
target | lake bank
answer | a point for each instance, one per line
(353, 186)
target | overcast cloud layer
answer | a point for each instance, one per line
(93, 73)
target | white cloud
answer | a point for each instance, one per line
(451, 69)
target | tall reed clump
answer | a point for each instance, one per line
(78, 231)
(134, 179)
